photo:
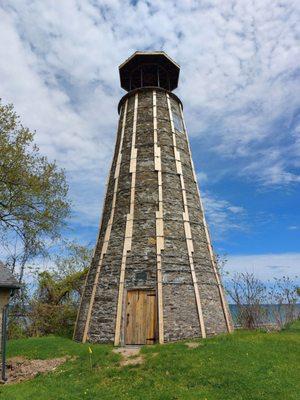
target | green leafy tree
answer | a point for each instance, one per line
(33, 193)
(54, 306)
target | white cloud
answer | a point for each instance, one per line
(293, 228)
(222, 215)
(202, 177)
(58, 65)
(236, 209)
(266, 266)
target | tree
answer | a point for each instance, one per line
(33, 193)
(73, 258)
(249, 295)
(54, 305)
(283, 296)
(221, 261)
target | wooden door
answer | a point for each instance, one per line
(140, 317)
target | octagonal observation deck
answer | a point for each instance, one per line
(149, 69)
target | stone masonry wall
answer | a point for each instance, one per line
(180, 310)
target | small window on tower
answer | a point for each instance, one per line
(177, 122)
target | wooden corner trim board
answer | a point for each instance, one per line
(108, 229)
(186, 222)
(208, 239)
(129, 225)
(159, 224)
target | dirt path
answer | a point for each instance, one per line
(130, 355)
(192, 345)
(20, 369)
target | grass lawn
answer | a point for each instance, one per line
(244, 365)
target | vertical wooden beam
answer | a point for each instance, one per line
(186, 222)
(159, 224)
(207, 235)
(129, 225)
(108, 228)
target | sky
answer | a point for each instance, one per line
(239, 84)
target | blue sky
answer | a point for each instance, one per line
(239, 84)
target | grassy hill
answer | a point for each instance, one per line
(242, 366)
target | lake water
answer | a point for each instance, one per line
(270, 312)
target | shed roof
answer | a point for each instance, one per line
(7, 279)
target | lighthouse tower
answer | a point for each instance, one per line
(153, 277)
